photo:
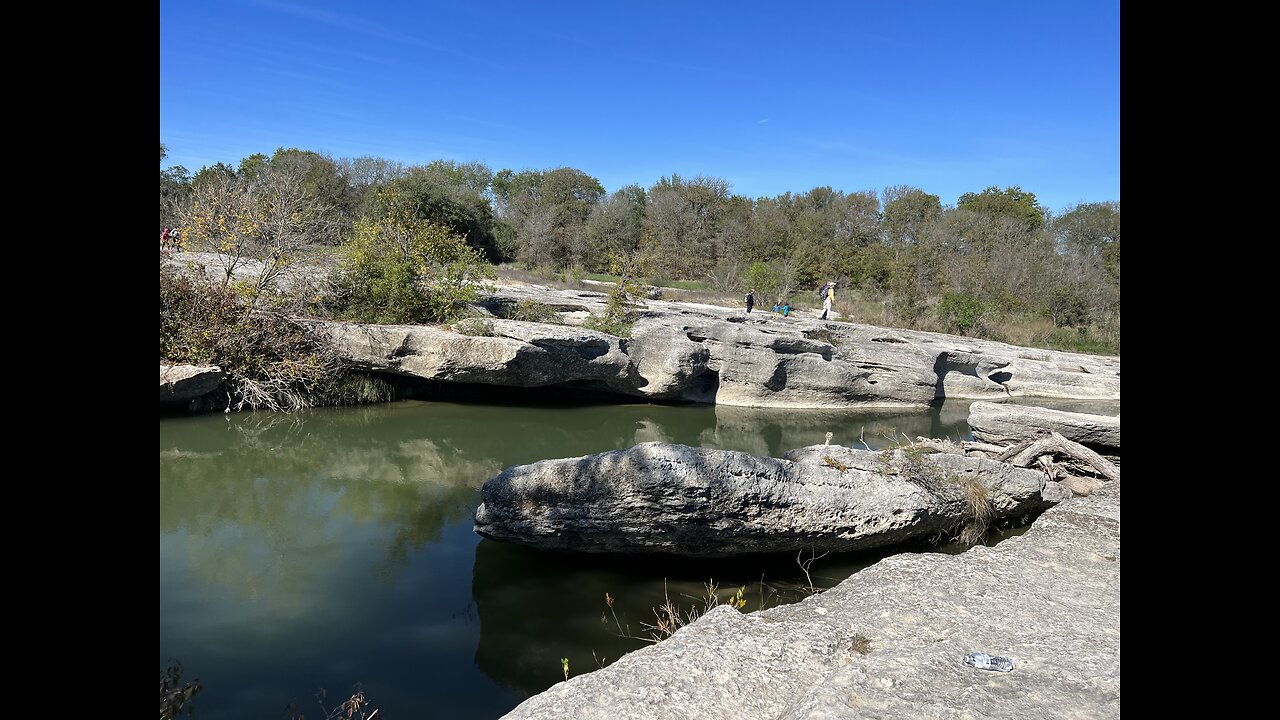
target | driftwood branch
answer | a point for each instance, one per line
(1055, 443)
(1014, 449)
(1052, 469)
(1042, 452)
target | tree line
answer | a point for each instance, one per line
(994, 256)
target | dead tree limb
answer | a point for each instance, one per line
(1054, 442)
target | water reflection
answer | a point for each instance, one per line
(335, 546)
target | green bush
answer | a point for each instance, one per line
(619, 311)
(381, 288)
(403, 269)
(764, 279)
(1068, 307)
(960, 312)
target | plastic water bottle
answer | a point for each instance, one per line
(983, 661)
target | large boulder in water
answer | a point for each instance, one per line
(659, 497)
(1007, 424)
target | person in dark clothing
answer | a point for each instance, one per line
(751, 299)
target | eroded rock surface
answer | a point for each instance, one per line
(1049, 599)
(659, 497)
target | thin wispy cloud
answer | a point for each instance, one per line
(357, 24)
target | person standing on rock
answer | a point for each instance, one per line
(828, 297)
(751, 300)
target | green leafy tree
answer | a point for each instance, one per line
(682, 221)
(1085, 231)
(404, 269)
(320, 175)
(1111, 260)
(774, 280)
(548, 213)
(252, 165)
(1012, 202)
(616, 226)
(764, 278)
(471, 178)
(1068, 307)
(458, 207)
(907, 210)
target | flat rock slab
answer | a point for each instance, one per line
(1049, 599)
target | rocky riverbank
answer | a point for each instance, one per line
(691, 352)
(1049, 599)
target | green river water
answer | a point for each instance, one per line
(334, 546)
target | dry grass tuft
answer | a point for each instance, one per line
(978, 500)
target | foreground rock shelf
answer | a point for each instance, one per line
(1049, 599)
(658, 497)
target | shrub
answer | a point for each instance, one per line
(1068, 307)
(403, 269)
(271, 360)
(619, 311)
(620, 327)
(960, 312)
(764, 279)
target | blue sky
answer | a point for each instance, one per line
(950, 97)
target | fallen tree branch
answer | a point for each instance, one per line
(1013, 450)
(1054, 442)
(1052, 469)
(975, 446)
